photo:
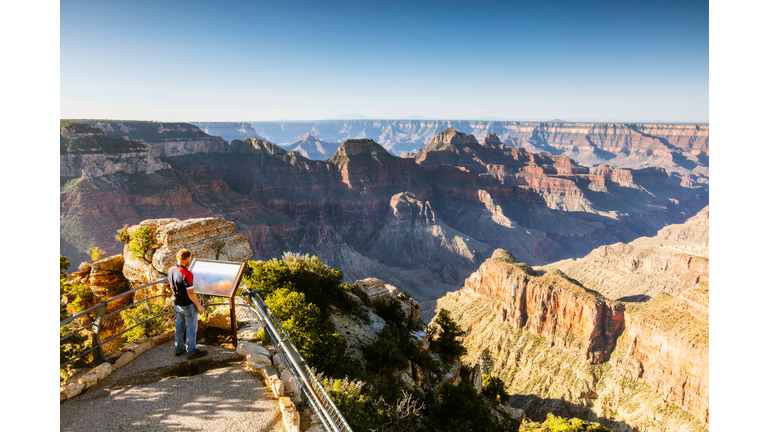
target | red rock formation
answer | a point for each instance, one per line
(662, 342)
(551, 306)
(667, 347)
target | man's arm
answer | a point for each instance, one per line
(193, 297)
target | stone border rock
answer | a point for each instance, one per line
(267, 362)
(83, 379)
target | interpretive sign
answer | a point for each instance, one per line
(217, 278)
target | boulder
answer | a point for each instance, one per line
(290, 414)
(124, 359)
(137, 348)
(418, 375)
(476, 378)
(256, 362)
(74, 389)
(89, 380)
(453, 376)
(248, 348)
(178, 234)
(102, 370)
(406, 378)
(371, 290)
(207, 238)
(220, 318)
(110, 264)
(250, 333)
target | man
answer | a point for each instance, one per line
(186, 306)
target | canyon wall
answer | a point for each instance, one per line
(638, 311)
(682, 149)
(348, 209)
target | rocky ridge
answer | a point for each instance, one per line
(348, 209)
(680, 149)
(312, 148)
(228, 130)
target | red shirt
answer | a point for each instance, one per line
(180, 279)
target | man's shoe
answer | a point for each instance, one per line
(178, 353)
(197, 354)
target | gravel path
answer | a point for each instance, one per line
(153, 393)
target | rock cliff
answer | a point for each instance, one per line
(544, 377)
(163, 139)
(682, 150)
(352, 209)
(88, 152)
(552, 306)
(228, 130)
(638, 311)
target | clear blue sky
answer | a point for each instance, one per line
(244, 61)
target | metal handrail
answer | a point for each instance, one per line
(93, 308)
(314, 391)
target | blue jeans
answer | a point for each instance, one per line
(186, 322)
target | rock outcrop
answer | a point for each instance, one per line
(163, 139)
(551, 306)
(655, 330)
(88, 152)
(206, 238)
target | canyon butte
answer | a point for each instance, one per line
(587, 327)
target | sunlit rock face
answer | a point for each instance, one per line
(427, 222)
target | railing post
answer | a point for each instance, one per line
(98, 353)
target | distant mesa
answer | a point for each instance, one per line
(228, 130)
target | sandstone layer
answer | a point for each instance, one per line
(644, 304)
(679, 149)
(544, 377)
(427, 226)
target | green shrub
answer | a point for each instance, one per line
(70, 347)
(96, 254)
(141, 312)
(443, 336)
(78, 342)
(84, 298)
(122, 235)
(462, 409)
(312, 333)
(494, 386)
(64, 285)
(559, 424)
(385, 355)
(320, 284)
(141, 241)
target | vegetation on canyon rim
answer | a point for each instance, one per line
(302, 292)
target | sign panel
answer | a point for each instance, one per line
(218, 278)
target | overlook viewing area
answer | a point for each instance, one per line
(257, 381)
